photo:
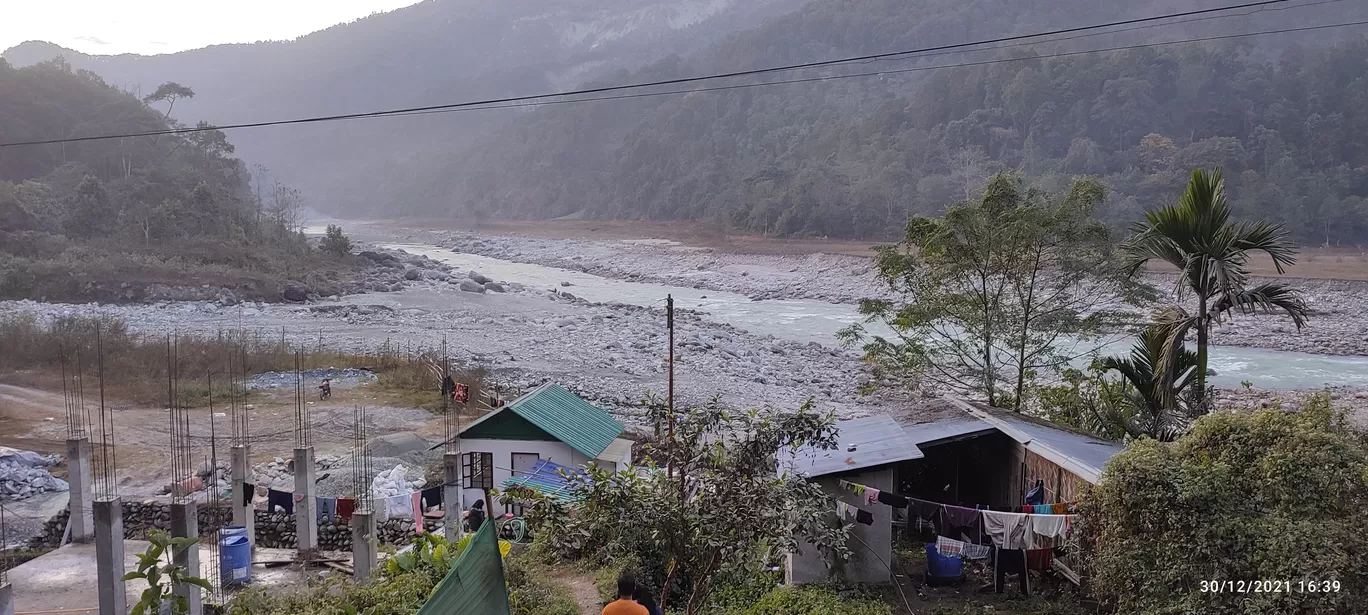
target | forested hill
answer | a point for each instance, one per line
(1286, 115)
(430, 53)
(128, 219)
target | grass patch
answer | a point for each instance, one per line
(531, 590)
(136, 366)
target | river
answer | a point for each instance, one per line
(818, 321)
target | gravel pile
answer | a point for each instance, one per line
(341, 379)
(24, 474)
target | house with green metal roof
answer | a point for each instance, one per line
(548, 423)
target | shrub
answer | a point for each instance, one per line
(812, 600)
(1268, 495)
(334, 242)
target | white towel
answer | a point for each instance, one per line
(1047, 531)
(399, 507)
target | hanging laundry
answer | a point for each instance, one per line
(843, 510)
(871, 496)
(892, 499)
(417, 512)
(973, 551)
(949, 546)
(930, 511)
(282, 499)
(1039, 559)
(1037, 494)
(327, 507)
(248, 490)
(432, 497)
(1059, 509)
(863, 516)
(1008, 530)
(1043, 509)
(1047, 530)
(1028, 509)
(398, 507)
(462, 394)
(957, 519)
(345, 508)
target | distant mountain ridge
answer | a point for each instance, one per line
(433, 52)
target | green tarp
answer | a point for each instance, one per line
(475, 585)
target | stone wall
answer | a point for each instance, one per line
(273, 530)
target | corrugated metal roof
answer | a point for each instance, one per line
(1091, 453)
(620, 451)
(548, 478)
(861, 443)
(1079, 453)
(567, 417)
(933, 432)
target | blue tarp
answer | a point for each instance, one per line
(548, 478)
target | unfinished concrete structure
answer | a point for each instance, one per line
(365, 547)
(185, 524)
(109, 555)
(6, 598)
(81, 489)
(451, 496)
(243, 514)
(305, 505)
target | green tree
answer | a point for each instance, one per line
(1268, 495)
(722, 515)
(994, 291)
(1211, 252)
(89, 212)
(163, 576)
(1151, 404)
(169, 92)
(334, 242)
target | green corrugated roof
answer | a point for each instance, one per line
(582, 425)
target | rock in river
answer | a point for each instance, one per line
(471, 286)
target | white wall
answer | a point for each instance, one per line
(871, 545)
(555, 452)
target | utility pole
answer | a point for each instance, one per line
(669, 324)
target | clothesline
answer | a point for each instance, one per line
(411, 504)
(1007, 530)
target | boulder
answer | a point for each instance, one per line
(294, 291)
(433, 274)
(478, 277)
(494, 286)
(471, 286)
(413, 274)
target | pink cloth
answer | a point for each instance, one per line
(871, 496)
(417, 512)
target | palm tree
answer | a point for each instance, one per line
(1211, 252)
(1149, 400)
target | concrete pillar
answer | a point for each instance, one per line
(109, 556)
(185, 524)
(451, 497)
(6, 599)
(365, 550)
(243, 514)
(81, 493)
(305, 506)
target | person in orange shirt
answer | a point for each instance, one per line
(625, 605)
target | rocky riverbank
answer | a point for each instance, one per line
(1337, 326)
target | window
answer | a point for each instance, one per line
(477, 471)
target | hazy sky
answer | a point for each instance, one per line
(165, 26)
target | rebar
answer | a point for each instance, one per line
(362, 470)
(106, 461)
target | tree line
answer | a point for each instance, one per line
(136, 207)
(857, 158)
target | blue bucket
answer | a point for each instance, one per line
(942, 566)
(235, 556)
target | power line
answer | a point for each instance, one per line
(679, 81)
(889, 72)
